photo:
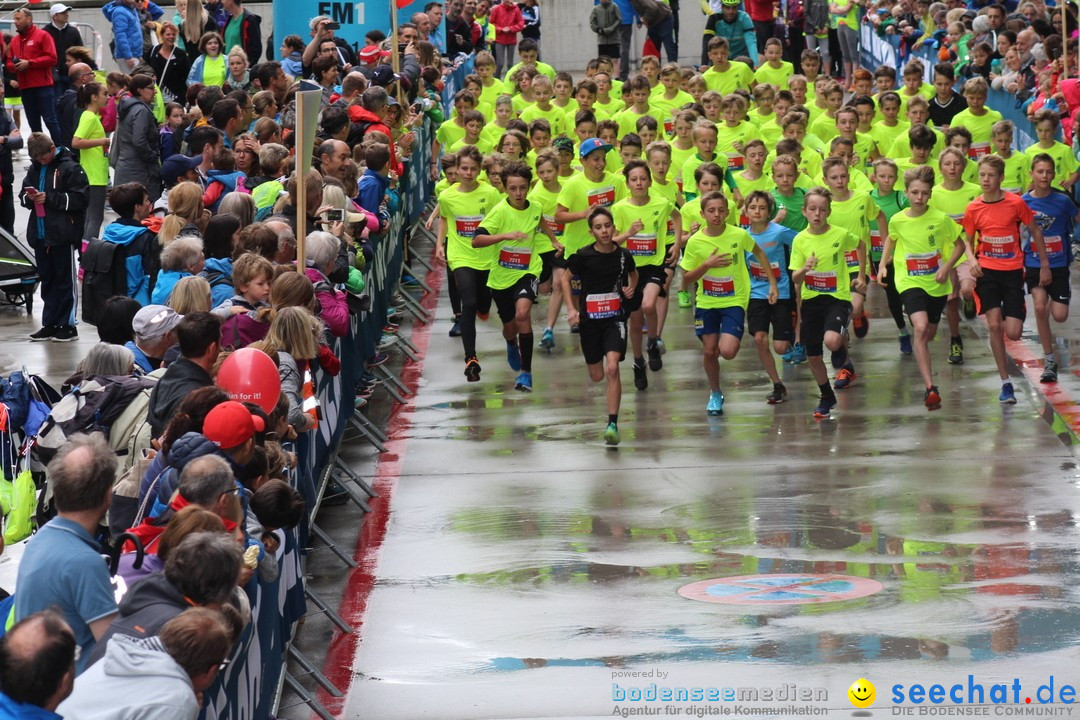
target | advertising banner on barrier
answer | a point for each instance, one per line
(291, 17)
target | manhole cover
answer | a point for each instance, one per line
(801, 589)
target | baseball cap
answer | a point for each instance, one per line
(592, 144)
(383, 76)
(154, 321)
(230, 425)
(563, 143)
(175, 166)
(58, 8)
(370, 54)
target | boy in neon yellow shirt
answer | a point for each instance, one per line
(542, 107)
(1017, 164)
(725, 76)
(670, 98)
(639, 93)
(1067, 170)
(978, 119)
(774, 71)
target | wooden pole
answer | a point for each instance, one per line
(1065, 41)
(395, 57)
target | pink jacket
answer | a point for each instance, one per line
(333, 309)
(506, 16)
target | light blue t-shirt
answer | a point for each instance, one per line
(63, 567)
(774, 241)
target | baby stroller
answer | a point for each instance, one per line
(18, 272)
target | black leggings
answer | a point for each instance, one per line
(896, 307)
(475, 298)
(455, 296)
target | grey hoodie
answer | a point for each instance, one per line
(136, 680)
(605, 21)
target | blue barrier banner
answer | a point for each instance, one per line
(291, 17)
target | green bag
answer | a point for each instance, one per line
(355, 283)
(20, 519)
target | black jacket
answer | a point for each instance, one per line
(182, 377)
(147, 606)
(250, 35)
(174, 77)
(65, 185)
(67, 114)
(462, 28)
(62, 39)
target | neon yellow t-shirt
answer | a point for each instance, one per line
(885, 135)
(450, 132)
(513, 259)
(854, 215)
(628, 118)
(547, 200)
(830, 275)
(980, 127)
(464, 212)
(579, 194)
(727, 136)
(1064, 161)
(901, 147)
(922, 245)
(556, 118)
(648, 245)
(667, 107)
(724, 286)
(93, 159)
(693, 163)
(777, 76)
(738, 75)
(1017, 173)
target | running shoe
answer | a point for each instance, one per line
(825, 406)
(65, 333)
(844, 377)
(472, 370)
(778, 394)
(575, 329)
(861, 325)
(1050, 371)
(798, 354)
(359, 402)
(611, 434)
(387, 341)
(684, 299)
(660, 344)
(716, 404)
(483, 316)
(969, 309)
(1007, 396)
(655, 361)
(641, 378)
(377, 359)
(524, 382)
(787, 357)
(455, 330)
(409, 281)
(956, 354)
(513, 355)
(45, 333)
(905, 345)
(547, 340)
(932, 398)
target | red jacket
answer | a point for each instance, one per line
(35, 46)
(358, 114)
(506, 16)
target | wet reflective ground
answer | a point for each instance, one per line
(525, 563)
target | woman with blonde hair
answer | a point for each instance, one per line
(190, 294)
(241, 205)
(238, 76)
(196, 23)
(294, 336)
(187, 216)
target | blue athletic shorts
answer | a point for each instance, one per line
(720, 321)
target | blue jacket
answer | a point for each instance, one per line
(127, 29)
(372, 189)
(228, 179)
(218, 272)
(11, 710)
(139, 243)
(142, 360)
(166, 281)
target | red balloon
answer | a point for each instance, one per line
(249, 375)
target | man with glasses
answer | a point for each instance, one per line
(62, 565)
(67, 108)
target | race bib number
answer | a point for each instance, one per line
(467, 225)
(822, 282)
(671, 227)
(877, 245)
(758, 273)
(1054, 245)
(717, 286)
(997, 248)
(515, 258)
(600, 306)
(669, 127)
(735, 161)
(642, 245)
(744, 221)
(977, 150)
(924, 264)
(852, 258)
(556, 228)
(602, 196)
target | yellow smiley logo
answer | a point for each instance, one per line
(862, 693)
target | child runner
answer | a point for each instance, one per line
(1047, 123)
(952, 197)
(890, 201)
(994, 220)
(819, 265)
(462, 207)
(914, 263)
(715, 256)
(977, 118)
(641, 222)
(546, 195)
(710, 178)
(1017, 164)
(762, 313)
(608, 284)
(658, 156)
(511, 230)
(1056, 213)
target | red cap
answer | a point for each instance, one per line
(230, 425)
(370, 54)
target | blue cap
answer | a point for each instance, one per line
(592, 144)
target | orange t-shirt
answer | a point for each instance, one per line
(996, 227)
